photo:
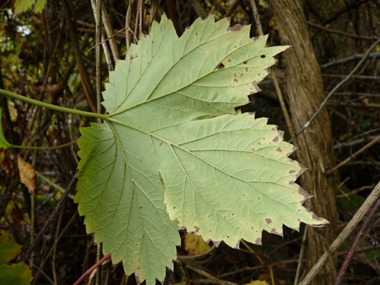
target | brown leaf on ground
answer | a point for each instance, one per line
(27, 174)
(7, 164)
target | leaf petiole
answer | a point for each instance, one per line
(51, 106)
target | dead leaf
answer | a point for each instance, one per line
(7, 164)
(264, 277)
(27, 174)
(195, 245)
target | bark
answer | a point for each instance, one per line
(305, 92)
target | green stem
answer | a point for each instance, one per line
(52, 107)
(42, 147)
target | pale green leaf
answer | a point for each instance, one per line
(172, 137)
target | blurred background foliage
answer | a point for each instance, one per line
(40, 54)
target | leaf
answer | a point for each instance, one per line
(24, 5)
(195, 245)
(40, 4)
(19, 273)
(27, 174)
(3, 141)
(172, 136)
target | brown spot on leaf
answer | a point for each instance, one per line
(220, 66)
(161, 143)
(245, 62)
(255, 38)
(235, 28)
(258, 241)
(268, 221)
(291, 171)
(279, 149)
(291, 182)
(263, 56)
(229, 60)
(259, 143)
(133, 57)
(302, 170)
(235, 80)
(274, 231)
(233, 214)
(246, 69)
(275, 139)
(315, 217)
(253, 149)
(196, 229)
(304, 194)
(196, 34)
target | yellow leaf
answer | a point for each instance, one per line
(195, 245)
(27, 174)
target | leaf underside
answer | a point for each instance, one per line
(174, 153)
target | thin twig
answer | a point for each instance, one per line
(128, 24)
(50, 219)
(349, 59)
(91, 269)
(300, 258)
(55, 244)
(102, 42)
(48, 181)
(109, 32)
(257, 18)
(354, 155)
(352, 249)
(98, 35)
(340, 32)
(371, 199)
(87, 85)
(274, 78)
(353, 192)
(337, 86)
(207, 275)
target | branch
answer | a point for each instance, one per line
(354, 155)
(352, 249)
(50, 219)
(91, 269)
(340, 32)
(337, 86)
(343, 235)
(350, 58)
